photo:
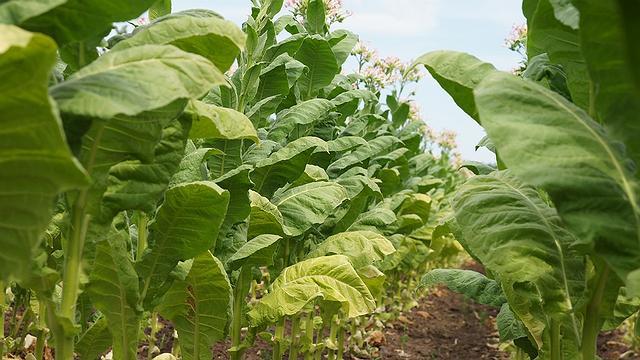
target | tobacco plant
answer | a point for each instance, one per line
(556, 225)
(144, 180)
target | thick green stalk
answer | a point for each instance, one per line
(152, 335)
(333, 334)
(71, 274)
(592, 323)
(295, 337)
(556, 340)
(340, 343)
(239, 295)
(2, 310)
(309, 336)
(278, 348)
(42, 337)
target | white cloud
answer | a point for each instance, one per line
(384, 18)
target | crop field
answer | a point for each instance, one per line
(174, 185)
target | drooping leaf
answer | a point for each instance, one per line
(258, 251)
(521, 240)
(315, 21)
(363, 248)
(509, 326)
(611, 67)
(342, 42)
(113, 289)
(284, 165)
(375, 147)
(214, 122)
(95, 340)
(299, 116)
(191, 166)
(186, 225)
(35, 161)
(472, 284)
(137, 185)
(331, 278)
(70, 20)
(162, 74)
(577, 163)
(315, 52)
(561, 43)
(311, 204)
(459, 74)
(200, 307)
(200, 32)
(265, 217)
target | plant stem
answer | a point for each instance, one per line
(152, 335)
(556, 342)
(333, 333)
(72, 269)
(279, 339)
(295, 337)
(309, 335)
(340, 343)
(42, 338)
(591, 326)
(2, 310)
(239, 294)
(143, 221)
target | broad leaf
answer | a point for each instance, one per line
(315, 52)
(520, 239)
(200, 32)
(186, 225)
(363, 248)
(258, 251)
(299, 117)
(135, 80)
(459, 74)
(304, 206)
(200, 307)
(214, 122)
(35, 161)
(331, 278)
(113, 289)
(70, 20)
(265, 217)
(574, 160)
(472, 284)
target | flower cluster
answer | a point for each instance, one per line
(364, 53)
(414, 111)
(447, 140)
(517, 39)
(334, 10)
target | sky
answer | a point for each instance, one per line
(410, 28)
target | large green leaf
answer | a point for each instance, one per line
(35, 161)
(459, 74)
(561, 43)
(342, 43)
(331, 278)
(265, 217)
(550, 143)
(521, 240)
(214, 122)
(138, 185)
(258, 251)
(95, 341)
(315, 52)
(186, 225)
(612, 68)
(279, 76)
(299, 117)
(311, 204)
(70, 20)
(113, 289)
(472, 284)
(200, 32)
(285, 165)
(200, 307)
(136, 80)
(379, 145)
(363, 248)
(192, 166)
